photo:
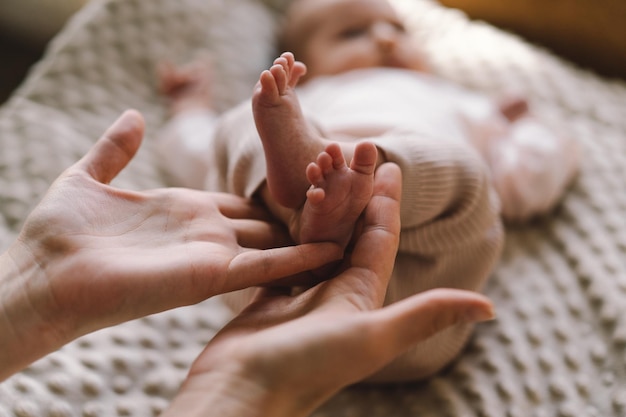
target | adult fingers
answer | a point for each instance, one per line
(114, 150)
(259, 234)
(258, 267)
(253, 225)
(235, 207)
(385, 334)
(416, 318)
(375, 249)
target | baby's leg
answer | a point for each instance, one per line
(289, 142)
(335, 201)
(338, 194)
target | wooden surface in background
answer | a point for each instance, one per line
(16, 57)
(591, 33)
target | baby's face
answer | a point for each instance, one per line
(335, 36)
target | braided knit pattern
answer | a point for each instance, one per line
(557, 347)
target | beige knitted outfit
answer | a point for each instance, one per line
(451, 230)
(440, 136)
(557, 346)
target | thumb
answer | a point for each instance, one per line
(416, 318)
(115, 149)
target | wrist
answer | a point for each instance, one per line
(229, 392)
(225, 383)
(26, 329)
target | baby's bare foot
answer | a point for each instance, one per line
(289, 142)
(338, 195)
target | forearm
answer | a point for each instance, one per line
(25, 334)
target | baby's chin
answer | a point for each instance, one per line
(402, 64)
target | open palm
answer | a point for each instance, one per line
(111, 255)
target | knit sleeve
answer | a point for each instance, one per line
(239, 166)
(185, 147)
(531, 167)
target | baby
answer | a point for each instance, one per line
(362, 93)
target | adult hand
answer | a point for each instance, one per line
(92, 255)
(284, 355)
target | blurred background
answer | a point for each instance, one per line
(590, 33)
(26, 26)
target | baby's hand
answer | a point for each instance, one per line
(189, 86)
(532, 168)
(512, 107)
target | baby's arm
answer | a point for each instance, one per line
(185, 143)
(185, 147)
(531, 165)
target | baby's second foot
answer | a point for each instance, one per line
(289, 143)
(338, 194)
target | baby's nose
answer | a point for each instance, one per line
(386, 35)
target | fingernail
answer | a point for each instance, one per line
(479, 314)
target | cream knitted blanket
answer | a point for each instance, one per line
(558, 346)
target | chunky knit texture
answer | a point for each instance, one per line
(557, 348)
